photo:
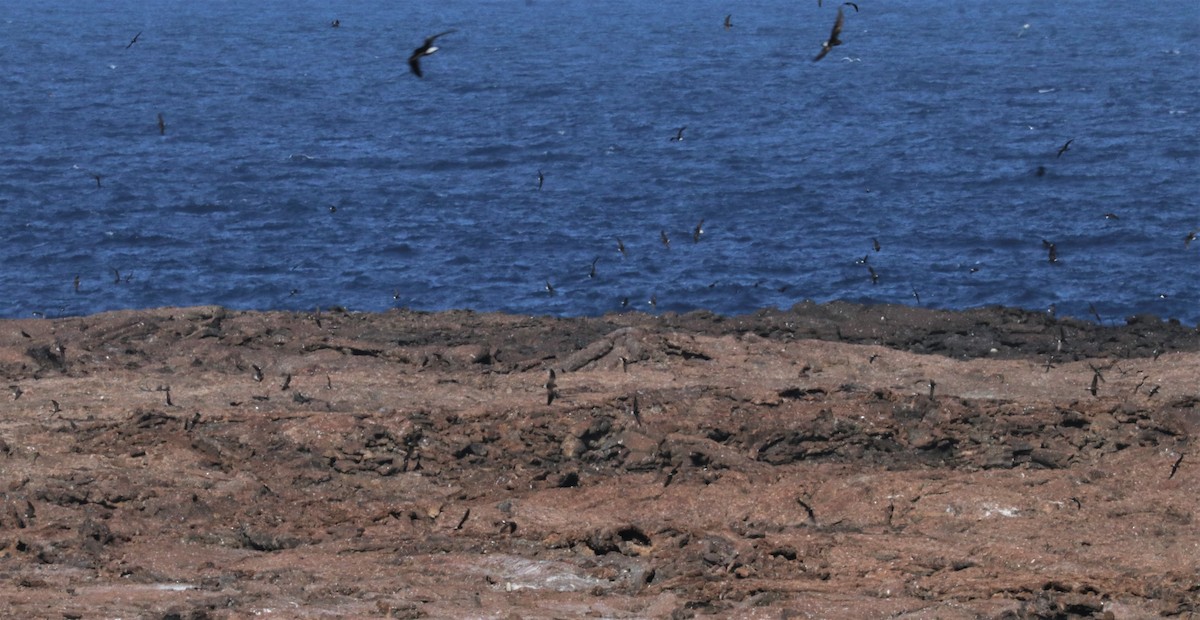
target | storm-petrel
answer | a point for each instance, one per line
(427, 48)
(133, 40)
(1063, 148)
(833, 41)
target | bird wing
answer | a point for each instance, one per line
(837, 28)
(414, 63)
(429, 40)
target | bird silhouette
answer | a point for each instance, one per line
(541, 179)
(551, 388)
(162, 125)
(697, 231)
(1051, 251)
(678, 137)
(133, 40)
(1065, 147)
(833, 41)
(851, 4)
(427, 48)
(728, 22)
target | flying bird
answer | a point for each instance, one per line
(875, 244)
(697, 231)
(833, 41)
(335, 23)
(666, 241)
(133, 40)
(620, 247)
(1065, 147)
(97, 177)
(678, 137)
(851, 4)
(427, 48)
(541, 179)
(728, 21)
(162, 125)
(1051, 250)
(1189, 238)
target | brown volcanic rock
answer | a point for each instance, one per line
(829, 461)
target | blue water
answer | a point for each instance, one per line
(923, 130)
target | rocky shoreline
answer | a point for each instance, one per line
(826, 461)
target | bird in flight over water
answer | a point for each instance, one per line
(833, 37)
(427, 48)
(1063, 148)
(728, 21)
(133, 40)
(678, 137)
(851, 4)
(162, 125)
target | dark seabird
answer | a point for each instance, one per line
(851, 4)
(592, 273)
(76, 284)
(833, 41)
(336, 23)
(541, 179)
(427, 48)
(728, 21)
(874, 276)
(1111, 216)
(133, 40)
(678, 137)
(551, 384)
(549, 287)
(1187, 240)
(97, 177)
(666, 241)
(697, 231)
(1041, 171)
(654, 301)
(1063, 148)
(875, 244)
(620, 247)
(1051, 250)
(162, 125)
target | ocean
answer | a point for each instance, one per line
(303, 166)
